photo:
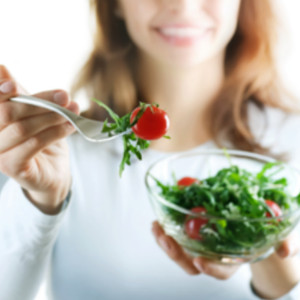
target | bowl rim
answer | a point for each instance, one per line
(223, 152)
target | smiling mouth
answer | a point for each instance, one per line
(182, 36)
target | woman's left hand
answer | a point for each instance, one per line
(191, 265)
(289, 247)
(198, 265)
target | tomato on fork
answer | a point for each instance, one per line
(152, 125)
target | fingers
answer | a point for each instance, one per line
(24, 139)
(8, 88)
(173, 250)
(19, 122)
(26, 130)
(30, 148)
(59, 97)
(289, 247)
(19, 131)
(11, 111)
(191, 265)
(214, 269)
(4, 73)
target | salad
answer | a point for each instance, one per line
(147, 122)
(234, 211)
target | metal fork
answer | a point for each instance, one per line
(89, 129)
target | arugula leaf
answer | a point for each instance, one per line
(113, 115)
(132, 144)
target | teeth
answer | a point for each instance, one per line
(181, 32)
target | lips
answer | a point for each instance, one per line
(181, 32)
(182, 35)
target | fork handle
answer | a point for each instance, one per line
(70, 116)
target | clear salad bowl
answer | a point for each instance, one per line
(237, 225)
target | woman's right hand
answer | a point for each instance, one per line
(32, 149)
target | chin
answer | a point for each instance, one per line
(186, 61)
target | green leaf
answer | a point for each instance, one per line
(143, 107)
(131, 143)
(113, 115)
(267, 167)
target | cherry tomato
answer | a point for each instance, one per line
(198, 210)
(193, 225)
(186, 181)
(152, 125)
(274, 207)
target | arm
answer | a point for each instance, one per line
(27, 236)
(34, 154)
(276, 276)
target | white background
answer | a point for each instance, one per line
(44, 43)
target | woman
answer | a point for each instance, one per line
(210, 65)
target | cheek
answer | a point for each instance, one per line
(137, 17)
(227, 18)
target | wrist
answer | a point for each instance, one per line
(274, 277)
(50, 204)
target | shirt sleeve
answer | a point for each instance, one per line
(294, 293)
(26, 239)
(278, 131)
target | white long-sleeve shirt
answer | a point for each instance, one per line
(100, 245)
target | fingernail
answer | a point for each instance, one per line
(7, 87)
(70, 125)
(60, 98)
(198, 265)
(165, 245)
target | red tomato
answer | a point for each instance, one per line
(152, 125)
(274, 207)
(198, 210)
(193, 225)
(186, 181)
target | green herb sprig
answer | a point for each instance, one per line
(132, 144)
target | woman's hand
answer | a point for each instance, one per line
(32, 149)
(191, 265)
(276, 275)
(198, 265)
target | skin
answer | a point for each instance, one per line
(144, 18)
(32, 149)
(172, 75)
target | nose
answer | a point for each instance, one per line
(182, 5)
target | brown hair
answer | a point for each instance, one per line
(249, 65)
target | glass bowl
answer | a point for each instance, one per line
(227, 239)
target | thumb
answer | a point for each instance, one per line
(6, 75)
(289, 247)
